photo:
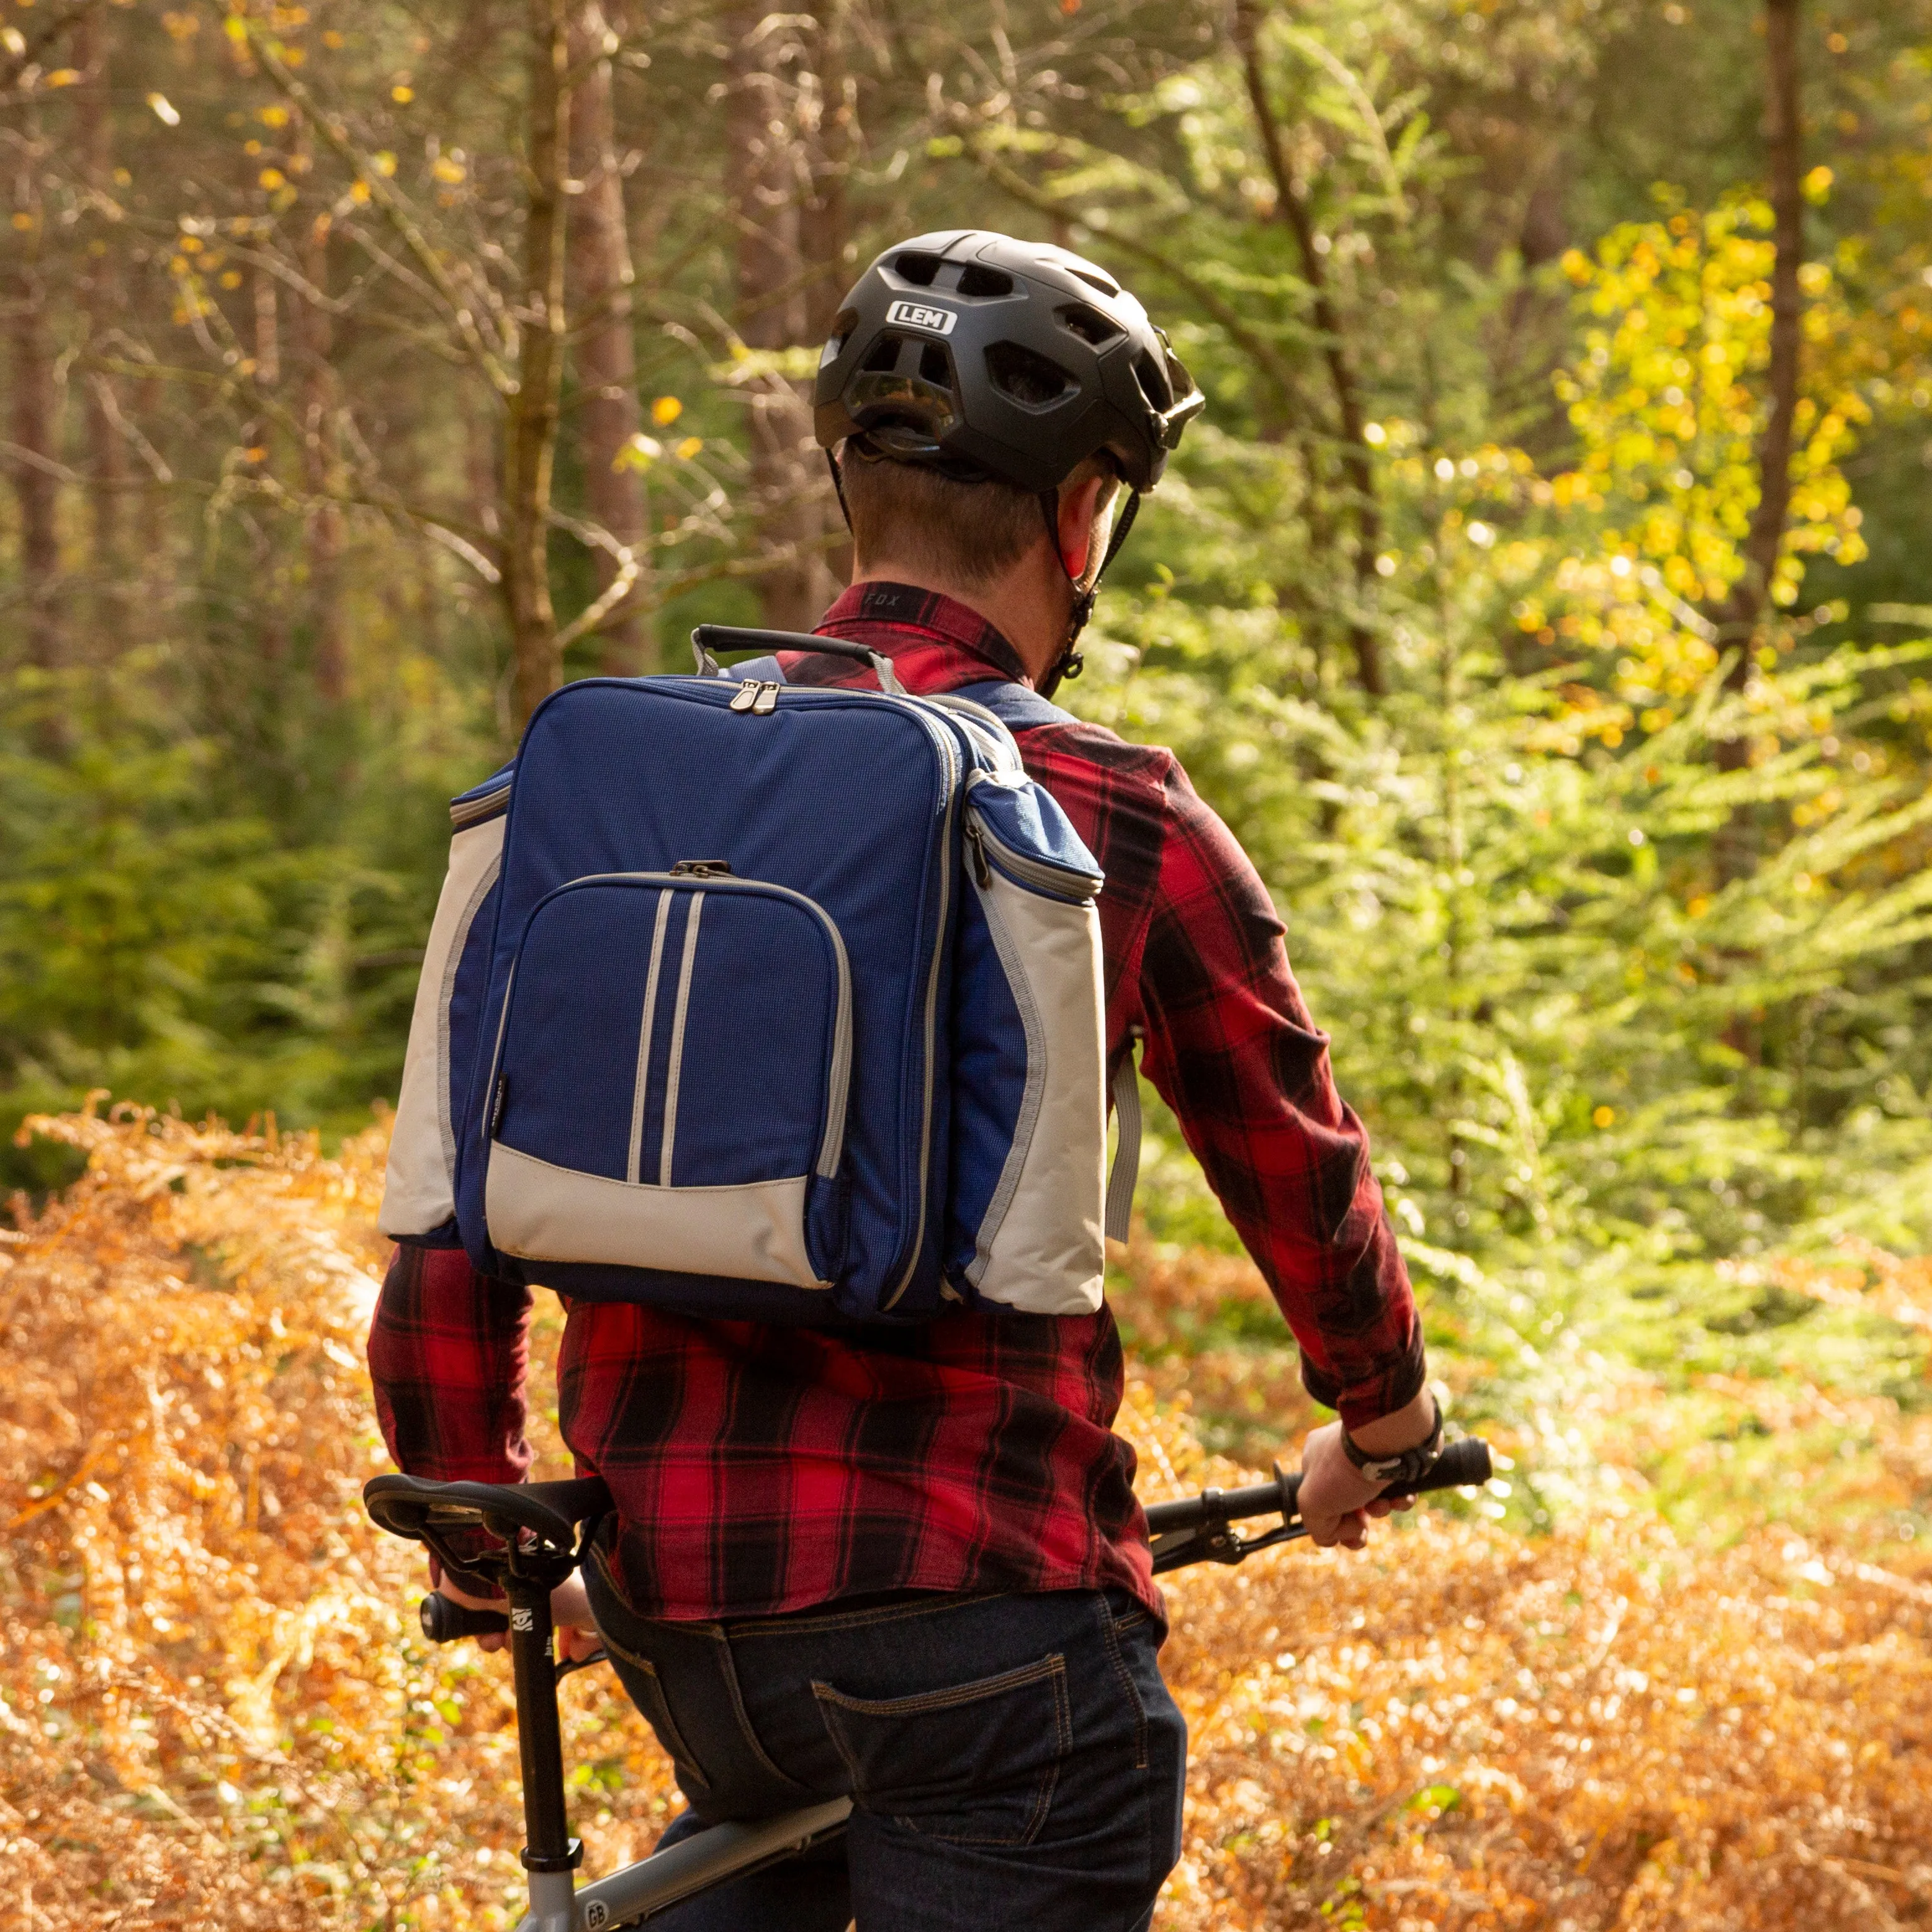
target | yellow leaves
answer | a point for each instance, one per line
(231, 278)
(402, 94)
(665, 410)
(182, 27)
(272, 178)
(24, 223)
(358, 192)
(1604, 1117)
(63, 76)
(1817, 186)
(384, 162)
(273, 115)
(641, 450)
(447, 170)
(236, 29)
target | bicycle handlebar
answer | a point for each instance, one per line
(444, 1620)
(1460, 1465)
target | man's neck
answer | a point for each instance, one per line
(1018, 604)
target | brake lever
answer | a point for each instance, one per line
(563, 1670)
(1213, 1539)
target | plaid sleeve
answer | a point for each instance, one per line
(1231, 1049)
(448, 1352)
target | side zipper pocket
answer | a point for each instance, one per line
(1029, 1115)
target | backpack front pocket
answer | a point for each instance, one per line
(670, 1082)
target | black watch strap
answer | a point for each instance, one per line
(1398, 1471)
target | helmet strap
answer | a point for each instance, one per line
(1071, 663)
(838, 484)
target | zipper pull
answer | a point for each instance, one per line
(981, 870)
(765, 702)
(745, 696)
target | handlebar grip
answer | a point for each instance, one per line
(444, 1620)
(1462, 1464)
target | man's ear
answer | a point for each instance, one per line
(1078, 508)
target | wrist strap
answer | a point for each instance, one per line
(1398, 1470)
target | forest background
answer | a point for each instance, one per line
(1542, 598)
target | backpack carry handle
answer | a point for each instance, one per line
(708, 640)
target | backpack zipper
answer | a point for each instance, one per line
(991, 853)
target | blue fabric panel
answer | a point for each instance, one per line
(765, 670)
(1016, 707)
(826, 795)
(1027, 817)
(989, 1071)
(702, 1297)
(570, 1049)
(757, 1043)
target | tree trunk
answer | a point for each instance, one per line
(766, 194)
(107, 457)
(1357, 463)
(825, 241)
(600, 276)
(1742, 613)
(322, 531)
(32, 429)
(530, 428)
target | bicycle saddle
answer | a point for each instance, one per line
(547, 1512)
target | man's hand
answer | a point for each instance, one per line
(569, 1610)
(1335, 1499)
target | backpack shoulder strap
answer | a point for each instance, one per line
(1017, 708)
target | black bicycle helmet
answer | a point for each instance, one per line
(985, 357)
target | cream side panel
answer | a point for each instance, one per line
(1046, 1256)
(419, 1192)
(543, 1212)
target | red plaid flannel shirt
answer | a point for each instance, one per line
(758, 1470)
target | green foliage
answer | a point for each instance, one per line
(1622, 925)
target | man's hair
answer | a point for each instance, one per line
(969, 533)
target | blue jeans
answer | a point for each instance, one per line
(1013, 1761)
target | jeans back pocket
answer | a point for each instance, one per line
(972, 1764)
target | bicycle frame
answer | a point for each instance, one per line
(539, 1526)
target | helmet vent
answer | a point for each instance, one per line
(977, 281)
(1095, 279)
(1153, 379)
(916, 268)
(1089, 324)
(935, 365)
(1025, 377)
(885, 353)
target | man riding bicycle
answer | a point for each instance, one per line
(907, 1565)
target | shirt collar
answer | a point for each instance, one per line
(892, 617)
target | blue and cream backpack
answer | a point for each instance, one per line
(749, 1001)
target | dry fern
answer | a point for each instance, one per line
(215, 1713)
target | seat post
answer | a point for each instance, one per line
(549, 1847)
